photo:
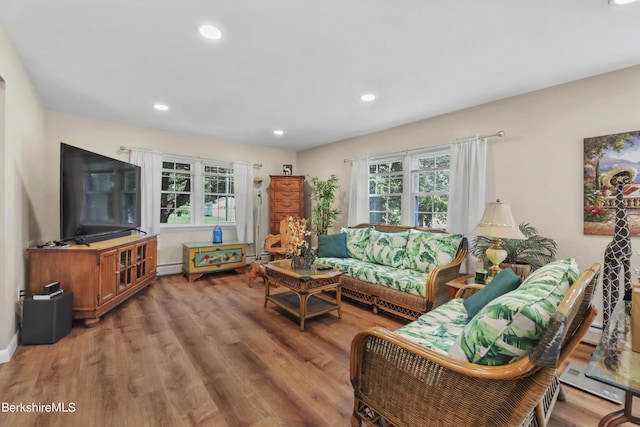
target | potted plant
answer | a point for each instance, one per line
(323, 216)
(535, 250)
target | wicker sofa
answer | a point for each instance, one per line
(421, 288)
(398, 382)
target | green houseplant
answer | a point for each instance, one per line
(323, 216)
(535, 250)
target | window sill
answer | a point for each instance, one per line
(194, 227)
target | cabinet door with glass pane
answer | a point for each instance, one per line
(127, 266)
(141, 261)
(144, 259)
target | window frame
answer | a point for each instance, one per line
(415, 186)
(391, 174)
(410, 176)
(229, 181)
(198, 174)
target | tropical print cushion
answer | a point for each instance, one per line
(439, 328)
(508, 327)
(386, 248)
(401, 280)
(426, 250)
(553, 271)
(357, 241)
(409, 281)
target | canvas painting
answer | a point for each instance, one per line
(605, 157)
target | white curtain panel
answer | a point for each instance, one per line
(243, 189)
(467, 187)
(359, 192)
(151, 164)
(409, 163)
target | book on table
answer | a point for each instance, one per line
(48, 296)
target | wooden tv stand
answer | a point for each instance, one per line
(101, 275)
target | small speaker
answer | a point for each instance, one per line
(46, 321)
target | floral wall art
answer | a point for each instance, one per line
(603, 156)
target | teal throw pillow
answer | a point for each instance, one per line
(333, 245)
(505, 281)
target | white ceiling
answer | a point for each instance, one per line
(301, 65)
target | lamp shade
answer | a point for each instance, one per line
(498, 222)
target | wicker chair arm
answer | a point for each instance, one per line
(467, 290)
(569, 323)
(437, 290)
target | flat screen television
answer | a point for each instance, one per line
(99, 196)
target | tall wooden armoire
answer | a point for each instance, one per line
(286, 198)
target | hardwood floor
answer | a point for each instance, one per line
(208, 353)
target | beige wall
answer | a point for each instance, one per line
(106, 138)
(21, 187)
(537, 166)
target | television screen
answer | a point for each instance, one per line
(99, 196)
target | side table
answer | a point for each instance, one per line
(614, 363)
(206, 257)
(457, 283)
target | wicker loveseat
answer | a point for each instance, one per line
(417, 285)
(398, 382)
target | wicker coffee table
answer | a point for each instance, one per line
(305, 295)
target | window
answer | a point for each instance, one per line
(418, 195)
(219, 201)
(195, 192)
(432, 192)
(386, 184)
(176, 199)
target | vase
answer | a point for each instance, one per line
(297, 261)
(304, 262)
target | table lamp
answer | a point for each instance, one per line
(497, 223)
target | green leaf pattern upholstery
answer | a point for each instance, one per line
(410, 281)
(508, 327)
(387, 248)
(429, 250)
(357, 241)
(439, 328)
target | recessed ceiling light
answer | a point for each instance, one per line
(210, 32)
(278, 132)
(368, 97)
(618, 2)
(161, 107)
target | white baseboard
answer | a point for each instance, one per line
(168, 269)
(7, 353)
